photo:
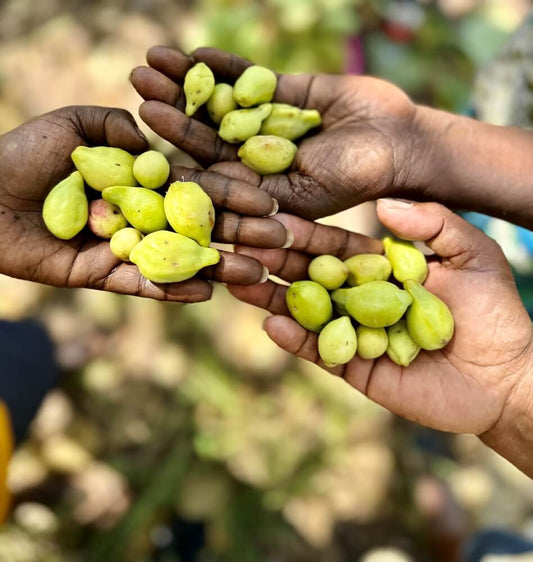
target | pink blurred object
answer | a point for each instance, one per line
(355, 56)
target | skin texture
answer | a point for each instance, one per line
(374, 142)
(36, 156)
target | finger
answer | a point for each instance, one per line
(285, 264)
(151, 84)
(462, 245)
(295, 339)
(236, 171)
(236, 269)
(126, 279)
(226, 193)
(231, 228)
(108, 126)
(269, 296)
(190, 135)
(170, 61)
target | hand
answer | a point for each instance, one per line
(475, 382)
(36, 156)
(366, 147)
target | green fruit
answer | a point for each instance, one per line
(143, 208)
(65, 209)
(429, 320)
(105, 218)
(220, 102)
(267, 154)
(364, 268)
(402, 349)
(377, 304)
(337, 342)
(241, 124)
(190, 211)
(104, 166)
(289, 121)
(123, 242)
(371, 342)
(151, 169)
(339, 298)
(198, 86)
(255, 85)
(407, 261)
(309, 304)
(329, 271)
(169, 257)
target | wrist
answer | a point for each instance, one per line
(512, 435)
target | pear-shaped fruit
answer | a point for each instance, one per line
(267, 154)
(241, 124)
(289, 121)
(402, 349)
(364, 268)
(337, 342)
(198, 86)
(377, 304)
(190, 211)
(65, 209)
(143, 208)
(104, 166)
(371, 342)
(328, 270)
(105, 218)
(309, 304)
(123, 242)
(429, 320)
(169, 257)
(151, 169)
(255, 85)
(407, 261)
(339, 298)
(220, 102)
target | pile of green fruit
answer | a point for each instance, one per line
(135, 218)
(244, 114)
(388, 319)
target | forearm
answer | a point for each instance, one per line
(470, 165)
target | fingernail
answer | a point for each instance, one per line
(393, 203)
(275, 208)
(265, 275)
(289, 241)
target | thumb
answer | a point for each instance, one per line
(448, 235)
(107, 126)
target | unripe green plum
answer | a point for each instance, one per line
(255, 85)
(407, 261)
(337, 342)
(364, 268)
(151, 169)
(329, 271)
(309, 304)
(123, 242)
(221, 102)
(371, 342)
(402, 349)
(198, 86)
(267, 154)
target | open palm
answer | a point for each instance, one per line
(36, 156)
(360, 152)
(461, 388)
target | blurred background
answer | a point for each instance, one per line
(181, 433)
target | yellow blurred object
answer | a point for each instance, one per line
(6, 450)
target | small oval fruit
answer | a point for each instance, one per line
(329, 271)
(104, 166)
(339, 298)
(407, 261)
(371, 342)
(241, 124)
(429, 320)
(105, 218)
(151, 169)
(377, 304)
(267, 154)
(402, 349)
(255, 85)
(123, 242)
(169, 257)
(364, 268)
(289, 121)
(66, 209)
(220, 102)
(198, 86)
(143, 208)
(309, 304)
(337, 342)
